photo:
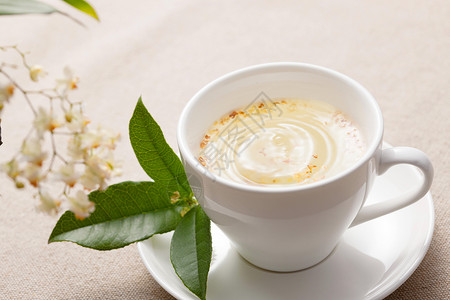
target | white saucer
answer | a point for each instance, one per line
(371, 261)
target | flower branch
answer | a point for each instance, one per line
(85, 164)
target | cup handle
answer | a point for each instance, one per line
(394, 156)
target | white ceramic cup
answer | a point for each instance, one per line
(297, 226)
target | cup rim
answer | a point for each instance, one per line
(190, 158)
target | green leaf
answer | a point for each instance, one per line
(16, 7)
(82, 6)
(124, 213)
(191, 250)
(154, 154)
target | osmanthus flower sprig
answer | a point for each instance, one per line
(62, 157)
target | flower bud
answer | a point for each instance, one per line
(37, 72)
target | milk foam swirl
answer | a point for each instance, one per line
(283, 142)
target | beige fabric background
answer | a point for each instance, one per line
(166, 51)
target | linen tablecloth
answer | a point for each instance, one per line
(166, 51)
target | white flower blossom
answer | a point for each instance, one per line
(37, 72)
(69, 82)
(11, 169)
(91, 140)
(32, 151)
(100, 167)
(32, 172)
(45, 121)
(96, 173)
(49, 204)
(74, 148)
(76, 121)
(6, 91)
(90, 180)
(109, 138)
(114, 165)
(80, 205)
(99, 138)
(68, 174)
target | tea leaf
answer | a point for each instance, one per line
(154, 154)
(83, 6)
(15, 7)
(124, 213)
(191, 250)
